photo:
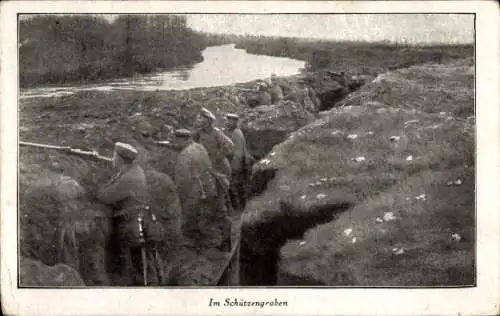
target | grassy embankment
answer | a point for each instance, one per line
(389, 218)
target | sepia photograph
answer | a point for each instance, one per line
(164, 150)
(246, 150)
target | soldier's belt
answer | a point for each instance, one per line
(130, 213)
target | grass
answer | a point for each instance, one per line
(423, 229)
(315, 168)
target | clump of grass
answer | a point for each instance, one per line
(431, 88)
(430, 242)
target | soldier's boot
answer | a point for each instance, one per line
(235, 198)
(135, 267)
(226, 235)
(228, 204)
(158, 265)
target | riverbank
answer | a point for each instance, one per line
(86, 49)
(359, 58)
(230, 65)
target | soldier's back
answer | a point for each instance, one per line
(217, 145)
(193, 163)
(276, 94)
(264, 98)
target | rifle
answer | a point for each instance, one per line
(69, 150)
(143, 251)
(167, 143)
(245, 89)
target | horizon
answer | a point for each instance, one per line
(408, 29)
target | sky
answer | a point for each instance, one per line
(401, 28)
(412, 28)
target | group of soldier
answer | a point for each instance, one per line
(210, 175)
(272, 93)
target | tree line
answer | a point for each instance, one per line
(58, 49)
(85, 48)
(350, 56)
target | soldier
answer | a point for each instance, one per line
(200, 188)
(127, 194)
(306, 96)
(235, 97)
(219, 146)
(264, 97)
(239, 163)
(275, 90)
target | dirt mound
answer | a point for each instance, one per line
(332, 87)
(33, 273)
(432, 88)
(354, 165)
(59, 223)
(266, 126)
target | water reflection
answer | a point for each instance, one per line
(222, 65)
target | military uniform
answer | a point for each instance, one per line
(199, 193)
(219, 147)
(264, 97)
(275, 90)
(304, 99)
(127, 194)
(276, 93)
(239, 166)
(306, 96)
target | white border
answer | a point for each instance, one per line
(482, 300)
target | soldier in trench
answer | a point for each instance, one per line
(220, 148)
(134, 227)
(306, 96)
(263, 95)
(239, 164)
(201, 189)
(275, 90)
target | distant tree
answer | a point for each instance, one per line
(85, 47)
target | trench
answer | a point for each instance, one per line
(261, 243)
(257, 266)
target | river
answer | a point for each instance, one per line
(221, 65)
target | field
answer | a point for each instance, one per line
(316, 216)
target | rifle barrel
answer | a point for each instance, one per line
(44, 146)
(69, 150)
(167, 144)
